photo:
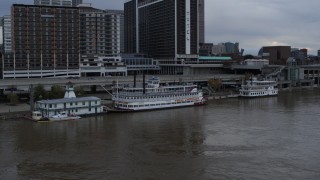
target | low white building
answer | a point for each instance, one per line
(94, 65)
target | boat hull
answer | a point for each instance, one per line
(64, 118)
(117, 109)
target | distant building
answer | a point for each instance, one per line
(277, 54)
(75, 3)
(119, 15)
(137, 63)
(319, 53)
(219, 49)
(7, 37)
(299, 54)
(53, 2)
(232, 47)
(100, 46)
(205, 49)
(304, 52)
(100, 31)
(1, 31)
(40, 49)
(163, 29)
(201, 21)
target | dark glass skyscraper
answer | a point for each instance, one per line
(162, 28)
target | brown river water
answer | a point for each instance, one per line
(262, 138)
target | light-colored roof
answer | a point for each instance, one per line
(215, 58)
(68, 100)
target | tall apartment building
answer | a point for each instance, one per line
(119, 14)
(45, 42)
(1, 31)
(100, 32)
(53, 2)
(201, 22)
(7, 40)
(100, 39)
(163, 29)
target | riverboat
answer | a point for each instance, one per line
(155, 96)
(258, 88)
(67, 108)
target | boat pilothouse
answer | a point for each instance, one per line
(153, 95)
(256, 88)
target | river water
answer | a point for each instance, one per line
(264, 138)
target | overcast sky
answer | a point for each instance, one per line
(252, 23)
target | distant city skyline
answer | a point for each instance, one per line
(251, 23)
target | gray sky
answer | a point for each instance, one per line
(252, 23)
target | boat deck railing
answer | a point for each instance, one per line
(150, 98)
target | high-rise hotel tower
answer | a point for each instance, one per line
(163, 29)
(45, 42)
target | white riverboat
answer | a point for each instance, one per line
(257, 88)
(155, 96)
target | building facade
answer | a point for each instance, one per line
(100, 32)
(119, 14)
(45, 42)
(277, 55)
(100, 42)
(201, 22)
(163, 29)
(7, 37)
(75, 3)
(53, 2)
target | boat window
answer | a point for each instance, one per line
(83, 103)
(70, 104)
(89, 109)
(50, 105)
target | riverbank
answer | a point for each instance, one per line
(23, 110)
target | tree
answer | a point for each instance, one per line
(39, 93)
(13, 99)
(79, 91)
(216, 84)
(56, 92)
(248, 56)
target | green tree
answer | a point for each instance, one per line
(13, 99)
(56, 92)
(39, 93)
(79, 91)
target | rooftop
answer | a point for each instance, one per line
(69, 100)
(215, 58)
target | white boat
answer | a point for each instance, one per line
(155, 96)
(37, 116)
(63, 117)
(258, 88)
